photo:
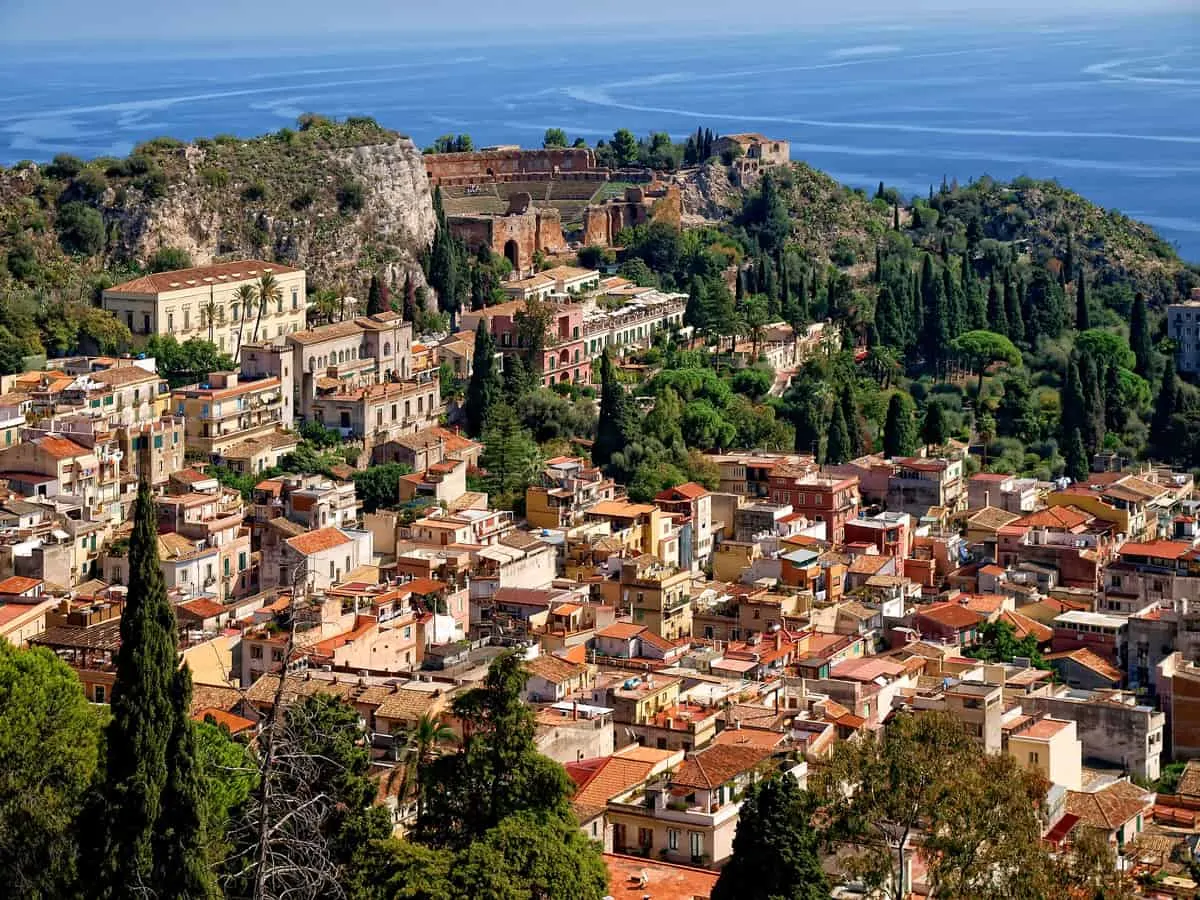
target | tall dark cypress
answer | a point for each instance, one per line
(838, 444)
(143, 717)
(1012, 311)
(181, 855)
(617, 424)
(895, 217)
(1075, 456)
(485, 389)
(1166, 404)
(936, 333)
(1073, 416)
(1083, 317)
(1093, 404)
(1116, 416)
(802, 307)
(997, 319)
(853, 426)
(890, 318)
(956, 316)
(1139, 336)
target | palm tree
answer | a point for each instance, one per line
(268, 292)
(427, 736)
(242, 297)
(210, 312)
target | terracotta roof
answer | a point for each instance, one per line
(621, 509)
(1111, 807)
(951, 615)
(761, 738)
(668, 881)
(1189, 781)
(1067, 517)
(285, 526)
(217, 273)
(612, 777)
(622, 631)
(235, 724)
(991, 517)
(18, 584)
(1155, 549)
(60, 447)
(326, 333)
(1023, 627)
(202, 608)
(553, 669)
(214, 696)
(316, 541)
(688, 491)
(407, 703)
(1043, 729)
(1089, 660)
(869, 564)
(192, 476)
(718, 764)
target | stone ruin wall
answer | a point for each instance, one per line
(472, 168)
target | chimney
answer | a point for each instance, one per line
(778, 640)
(987, 498)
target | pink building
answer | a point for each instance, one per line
(565, 357)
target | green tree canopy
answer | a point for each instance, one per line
(900, 437)
(554, 137)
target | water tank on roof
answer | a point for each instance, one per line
(631, 683)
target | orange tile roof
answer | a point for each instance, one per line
(951, 615)
(621, 631)
(1155, 549)
(1089, 660)
(762, 738)
(614, 776)
(718, 764)
(1023, 627)
(316, 541)
(60, 447)
(18, 584)
(553, 669)
(217, 273)
(1111, 807)
(1043, 729)
(235, 724)
(690, 491)
(202, 608)
(1067, 517)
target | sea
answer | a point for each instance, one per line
(1109, 107)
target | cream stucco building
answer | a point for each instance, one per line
(201, 303)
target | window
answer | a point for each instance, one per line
(394, 408)
(187, 319)
(1033, 758)
(672, 839)
(295, 299)
(276, 655)
(697, 842)
(170, 322)
(646, 838)
(99, 695)
(256, 652)
(227, 567)
(146, 322)
(331, 569)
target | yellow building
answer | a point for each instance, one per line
(658, 596)
(1049, 747)
(639, 526)
(202, 302)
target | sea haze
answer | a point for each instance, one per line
(1108, 108)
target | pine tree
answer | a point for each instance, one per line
(900, 428)
(143, 718)
(997, 319)
(1075, 455)
(517, 380)
(509, 456)
(1012, 311)
(934, 430)
(1083, 317)
(617, 425)
(485, 389)
(838, 443)
(1139, 336)
(181, 855)
(1093, 404)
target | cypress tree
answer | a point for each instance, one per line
(878, 273)
(739, 285)
(936, 331)
(693, 312)
(934, 429)
(1075, 455)
(1083, 318)
(838, 444)
(956, 314)
(1093, 404)
(517, 380)
(617, 425)
(973, 297)
(853, 427)
(1012, 311)
(1116, 416)
(997, 319)
(1166, 404)
(890, 319)
(1073, 415)
(900, 428)
(485, 389)
(377, 297)
(802, 308)
(917, 306)
(409, 310)
(1139, 336)
(1068, 266)
(895, 217)
(181, 857)
(139, 735)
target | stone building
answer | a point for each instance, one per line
(655, 202)
(517, 234)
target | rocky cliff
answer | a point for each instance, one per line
(343, 200)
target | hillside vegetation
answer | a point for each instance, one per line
(342, 199)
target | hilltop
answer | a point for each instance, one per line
(838, 224)
(342, 199)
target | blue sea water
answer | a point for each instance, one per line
(1110, 108)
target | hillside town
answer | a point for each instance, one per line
(364, 508)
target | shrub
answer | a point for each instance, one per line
(351, 196)
(64, 166)
(138, 164)
(303, 200)
(22, 260)
(153, 184)
(215, 176)
(89, 186)
(255, 190)
(844, 252)
(80, 229)
(167, 259)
